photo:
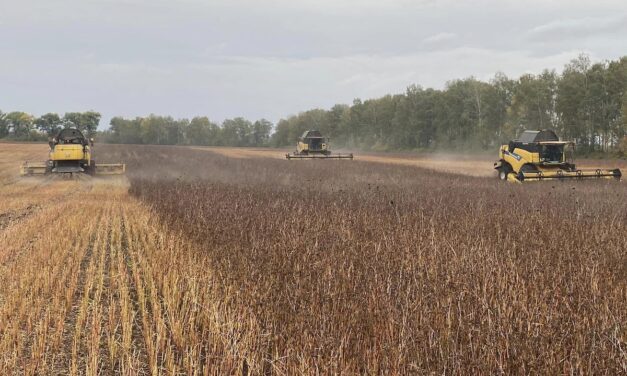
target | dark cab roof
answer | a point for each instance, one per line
(312, 134)
(69, 134)
(545, 135)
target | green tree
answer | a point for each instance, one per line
(261, 132)
(176, 130)
(125, 131)
(280, 137)
(91, 120)
(201, 131)
(20, 124)
(499, 98)
(237, 132)
(617, 95)
(334, 118)
(571, 102)
(154, 130)
(4, 125)
(463, 114)
(622, 121)
(49, 123)
(84, 121)
(534, 101)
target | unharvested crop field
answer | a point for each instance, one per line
(227, 262)
(456, 163)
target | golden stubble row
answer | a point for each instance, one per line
(92, 284)
(38, 285)
(65, 305)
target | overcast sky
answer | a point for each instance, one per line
(272, 58)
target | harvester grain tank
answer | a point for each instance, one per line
(541, 155)
(71, 152)
(312, 145)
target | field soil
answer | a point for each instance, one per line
(463, 164)
(459, 164)
(237, 261)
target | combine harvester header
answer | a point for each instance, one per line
(540, 155)
(71, 152)
(312, 145)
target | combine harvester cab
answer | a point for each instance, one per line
(71, 152)
(312, 145)
(541, 155)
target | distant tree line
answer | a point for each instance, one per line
(22, 126)
(153, 129)
(586, 103)
(165, 130)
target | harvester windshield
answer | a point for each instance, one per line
(71, 136)
(311, 134)
(316, 143)
(314, 140)
(552, 153)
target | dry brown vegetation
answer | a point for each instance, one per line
(474, 165)
(362, 267)
(220, 265)
(457, 163)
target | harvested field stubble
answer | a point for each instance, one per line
(357, 267)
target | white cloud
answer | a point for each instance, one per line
(226, 58)
(588, 26)
(440, 37)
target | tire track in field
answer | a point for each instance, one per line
(138, 338)
(33, 346)
(37, 298)
(14, 216)
(170, 352)
(32, 223)
(104, 366)
(63, 364)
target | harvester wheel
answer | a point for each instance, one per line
(504, 171)
(91, 168)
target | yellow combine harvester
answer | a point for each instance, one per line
(311, 145)
(540, 155)
(71, 152)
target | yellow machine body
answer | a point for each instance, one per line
(541, 155)
(71, 152)
(303, 147)
(312, 145)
